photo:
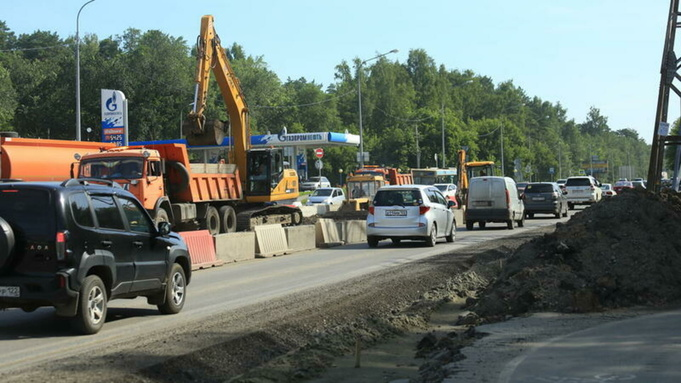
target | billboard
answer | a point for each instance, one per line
(114, 117)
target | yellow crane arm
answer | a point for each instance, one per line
(211, 57)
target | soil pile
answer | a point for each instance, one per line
(624, 251)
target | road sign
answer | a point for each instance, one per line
(318, 164)
(319, 152)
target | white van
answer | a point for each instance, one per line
(494, 199)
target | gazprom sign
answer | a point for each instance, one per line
(292, 139)
(114, 109)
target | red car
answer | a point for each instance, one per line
(623, 186)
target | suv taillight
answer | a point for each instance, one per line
(60, 245)
(423, 209)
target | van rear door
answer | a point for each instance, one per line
(487, 193)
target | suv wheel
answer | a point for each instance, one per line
(432, 238)
(176, 291)
(6, 242)
(469, 225)
(91, 306)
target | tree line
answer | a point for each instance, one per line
(406, 107)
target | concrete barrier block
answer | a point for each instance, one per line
(270, 240)
(300, 237)
(327, 233)
(309, 211)
(458, 215)
(234, 247)
(354, 231)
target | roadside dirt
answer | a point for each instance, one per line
(619, 253)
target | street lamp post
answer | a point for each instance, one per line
(78, 71)
(359, 103)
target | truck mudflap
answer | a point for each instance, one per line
(286, 215)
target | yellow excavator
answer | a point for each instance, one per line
(263, 174)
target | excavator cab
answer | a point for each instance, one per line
(265, 171)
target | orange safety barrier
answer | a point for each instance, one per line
(201, 249)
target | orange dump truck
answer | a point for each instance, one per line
(33, 159)
(190, 195)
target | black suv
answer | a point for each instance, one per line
(76, 245)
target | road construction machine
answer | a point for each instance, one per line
(247, 187)
(467, 170)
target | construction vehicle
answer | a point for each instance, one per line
(34, 159)
(253, 188)
(363, 184)
(467, 170)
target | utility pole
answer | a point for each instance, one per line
(444, 159)
(418, 149)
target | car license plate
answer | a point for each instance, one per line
(395, 213)
(10, 291)
(537, 198)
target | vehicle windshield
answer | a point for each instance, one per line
(313, 179)
(397, 197)
(578, 182)
(27, 211)
(321, 193)
(539, 188)
(623, 183)
(442, 188)
(111, 168)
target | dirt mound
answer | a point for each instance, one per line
(621, 252)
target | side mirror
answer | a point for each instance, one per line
(163, 228)
(451, 204)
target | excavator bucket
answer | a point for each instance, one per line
(201, 133)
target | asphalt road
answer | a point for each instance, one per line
(27, 339)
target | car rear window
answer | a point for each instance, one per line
(578, 182)
(28, 211)
(541, 188)
(397, 197)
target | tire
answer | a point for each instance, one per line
(92, 306)
(176, 291)
(396, 241)
(7, 243)
(469, 225)
(510, 224)
(372, 241)
(432, 238)
(482, 224)
(161, 216)
(530, 215)
(452, 233)
(571, 206)
(212, 221)
(296, 218)
(227, 219)
(557, 215)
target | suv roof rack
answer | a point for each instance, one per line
(87, 181)
(3, 180)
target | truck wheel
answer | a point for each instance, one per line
(161, 216)
(176, 290)
(6, 243)
(212, 221)
(92, 307)
(482, 224)
(227, 219)
(469, 225)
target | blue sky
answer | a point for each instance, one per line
(580, 53)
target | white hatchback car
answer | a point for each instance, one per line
(315, 183)
(326, 196)
(414, 212)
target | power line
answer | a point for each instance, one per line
(302, 105)
(33, 49)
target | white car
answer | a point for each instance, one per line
(583, 190)
(448, 190)
(326, 196)
(315, 183)
(413, 212)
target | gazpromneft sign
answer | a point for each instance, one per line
(290, 139)
(114, 119)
